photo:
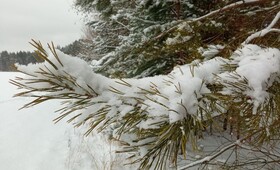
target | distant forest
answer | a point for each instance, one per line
(80, 48)
(8, 59)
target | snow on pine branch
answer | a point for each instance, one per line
(227, 7)
(172, 96)
(127, 107)
(258, 67)
(264, 31)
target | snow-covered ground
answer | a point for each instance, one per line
(29, 140)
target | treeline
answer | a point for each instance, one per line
(8, 59)
(80, 48)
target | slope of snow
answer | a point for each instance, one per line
(29, 140)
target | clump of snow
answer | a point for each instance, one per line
(185, 27)
(177, 39)
(259, 66)
(210, 51)
(150, 29)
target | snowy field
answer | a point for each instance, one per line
(29, 140)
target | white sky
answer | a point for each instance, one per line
(44, 20)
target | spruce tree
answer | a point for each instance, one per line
(182, 74)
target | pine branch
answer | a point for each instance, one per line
(209, 158)
(225, 8)
(264, 31)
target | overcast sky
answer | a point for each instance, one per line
(44, 20)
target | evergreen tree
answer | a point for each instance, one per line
(81, 48)
(134, 36)
(214, 95)
(4, 57)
